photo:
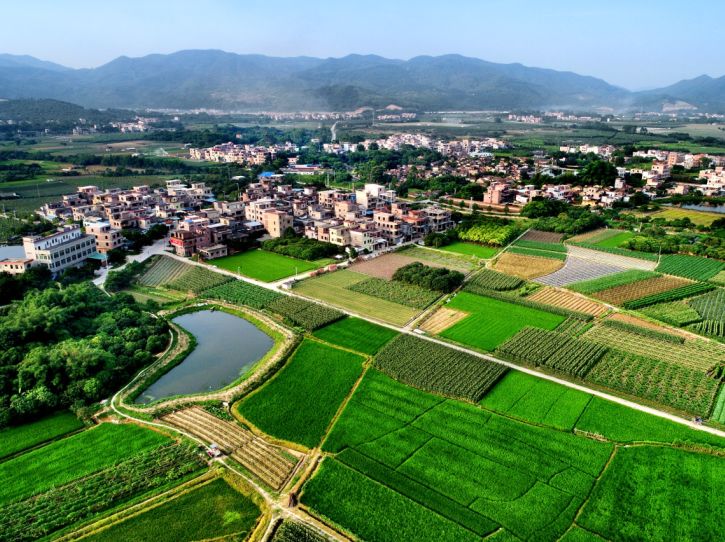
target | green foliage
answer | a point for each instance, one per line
(573, 221)
(500, 316)
(489, 231)
(712, 328)
(438, 279)
(487, 279)
(162, 271)
(675, 294)
(563, 353)
(265, 266)
(710, 306)
(302, 248)
(14, 287)
(74, 457)
(305, 314)
(396, 291)
(373, 511)
(540, 245)
(17, 439)
(84, 497)
(123, 278)
(433, 367)
(689, 487)
(544, 207)
(691, 267)
(675, 386)
(676, 313)
(355, 334)
(71, 347)
(611, 281)
(197, 279)
(299, 402)
(644, 331)
(240, 292)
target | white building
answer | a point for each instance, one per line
(67, 247)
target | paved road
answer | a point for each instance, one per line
(156, 248)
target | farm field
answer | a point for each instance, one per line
(266, 266)
(641, 322)
(567, 300)
(614, 241)
(485, 327)
(710, 306)
(696, 354)
(240, 292)
(293, 531)
(303, 313)
(688, 290)
(457, 460)
(444, 258)
(17, 439)
(471, 249)
(332, 288)
(73, 457)
(697, 217)
(676, 313)
(170, 273)
(670, 494)
(486, 279)
(298, 404)
(526, 267)
(441, 319)
(619, 295)
(356, 334)
(537, 253)
(211, 511)
(691, 267)
(162, 271)
(576, 270)
(592, 286)
(718, 411)
(628, 260)
(540, 245)
(719, 279)
(436, 368)
(536, 400)
(399, 292)
(543, 236)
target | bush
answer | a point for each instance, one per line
(302, 248)
(432, 278)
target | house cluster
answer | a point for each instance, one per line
(139, 124)
(455, 147)
(605, 151)
(241, 154)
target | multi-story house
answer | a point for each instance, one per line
(67, 247)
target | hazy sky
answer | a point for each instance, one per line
(635, 44)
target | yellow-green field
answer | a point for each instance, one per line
(698, 217)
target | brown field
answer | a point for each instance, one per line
(442, 319)
(588, 236)
(526, 267)
(543, 236)
(641, 288)
(385, 266)
(641, 322)
(568, 300)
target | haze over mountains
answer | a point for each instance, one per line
(216, 79)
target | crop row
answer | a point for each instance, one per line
(573, 327)
(666, 383)
(197, 279)
(676, 313)
(710, 306)
(671, 295)
(243, 293)
(563, 353)
(713, 328)
(292, 531)
(691, 267)
(42, 514)
(611, 281)
(540, 245)
(649, 256)
(303, 313)
(409, 295)
(437, 368)
(163, 270)
(645, 332)
(487, 279)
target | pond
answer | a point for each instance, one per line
(707, 208)
(227, 346)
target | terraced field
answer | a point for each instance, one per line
(637, 290)
(576, 270)
(568, 300)
(264, 460)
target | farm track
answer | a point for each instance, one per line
(255, 454)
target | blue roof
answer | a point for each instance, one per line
(266, 174)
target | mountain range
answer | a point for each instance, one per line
(220, 80)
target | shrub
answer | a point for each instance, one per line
(486, 279)
(432, 278)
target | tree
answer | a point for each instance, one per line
(598, 172)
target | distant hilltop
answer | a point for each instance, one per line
(217, 79)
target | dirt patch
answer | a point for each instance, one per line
(526, 267)
(442, 319)
(639, 289)
(543, 236)
(568, 300)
